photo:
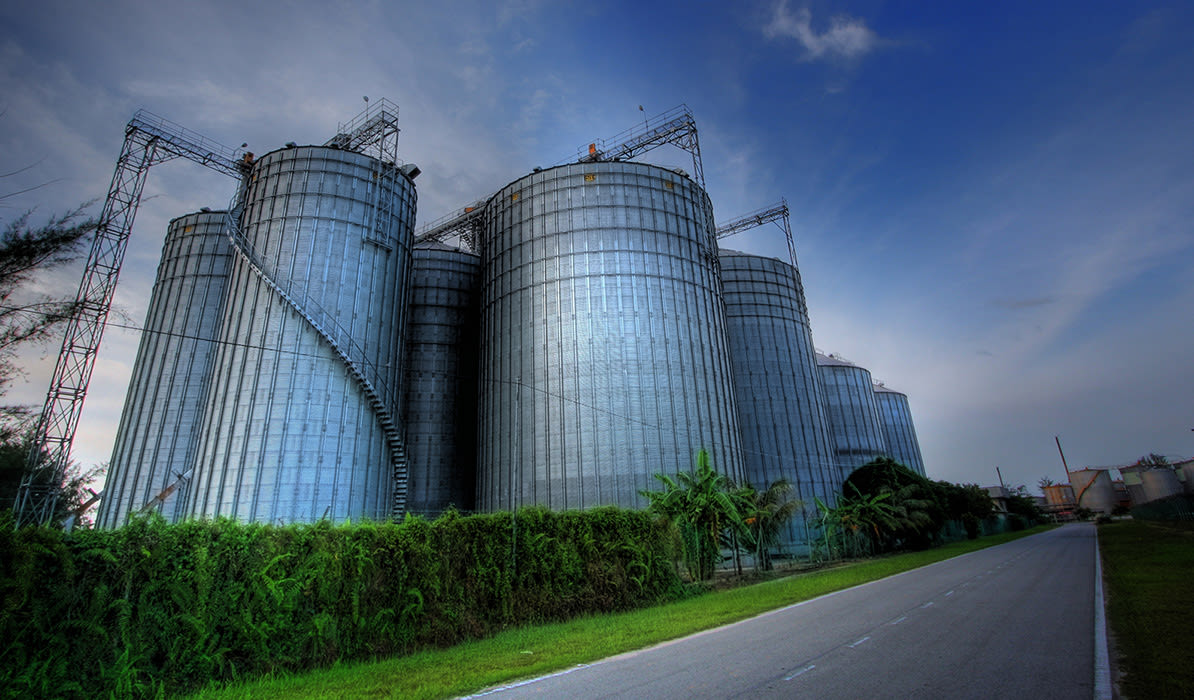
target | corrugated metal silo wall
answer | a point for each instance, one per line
(853, 414)
(306, 386)
(899, 433)
(1093, 489)
(604, 356)
(781, 403)
(441, 380)
(1160, 482)
(164, 404)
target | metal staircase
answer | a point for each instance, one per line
(341, 342)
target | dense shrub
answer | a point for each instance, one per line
(153, 607)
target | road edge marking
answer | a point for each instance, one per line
(1102, 679)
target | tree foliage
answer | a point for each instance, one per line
(854, 526)
(27, 318)
(916, 514)
(1022, 508)
(896, 508)
(1153, 459)
(763, 515)
(152, 609)
(699, 505)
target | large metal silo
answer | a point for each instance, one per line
(155, 442)
(1186, 472)
(1059, 495)
(1160, 482)
(441, 379)
(603, 346)
(1093, 489)
(853, 413)
(301, 420)
(781, 403)
(899, 434)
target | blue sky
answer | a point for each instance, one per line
(992, 202)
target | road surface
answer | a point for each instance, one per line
(1012, 621)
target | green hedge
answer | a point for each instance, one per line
(153, 607)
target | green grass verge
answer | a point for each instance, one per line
(1149, 571)
(531, 651)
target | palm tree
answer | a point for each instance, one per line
(764, 515)
(698, 503)
(859, 516)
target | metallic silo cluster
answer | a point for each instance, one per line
(899, 433)
(781, 402)
(441, 379)
(155, 442)
(1150, 483)
(306, 359)
(853, 413)
(603, 345)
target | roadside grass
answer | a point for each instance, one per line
(528, 652)
(1149, 571)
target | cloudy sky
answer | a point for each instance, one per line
(992, 202)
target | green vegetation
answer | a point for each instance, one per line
(697, 507)
(152, 607)
(1149, 570)
(887, 507)
(705, 513)
(763, 516)
(531, 651)
(28, 318)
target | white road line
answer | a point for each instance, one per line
(949, 594)
(898, 621)
(1102, 689)
(858, 642)
(803, 670)
(928, 604)
(528, 681)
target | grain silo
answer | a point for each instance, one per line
(1059, 495)
(156, 439)
(781, 403)
(1093, 489)
(1160, 482)
(603, 346)
(441, 379)
(1185, 471)
(899, 434)
(853, 413)
(301, 419)
(1133, 484)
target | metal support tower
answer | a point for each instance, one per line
(148, 140)
(464, 224)
(676, 126)
(373, 132)
(778, 213)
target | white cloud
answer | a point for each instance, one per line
(846, 37)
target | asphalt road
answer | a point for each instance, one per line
(1013, 621)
